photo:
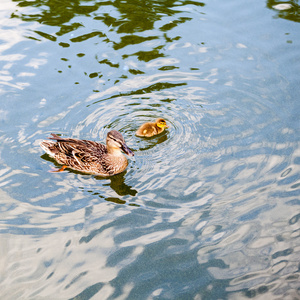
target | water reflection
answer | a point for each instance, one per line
(133, 15)
(128, 17)
(116, 182)
(289, 10)
(119, 25)
(146, 143)
(210, 205)
(146, 90)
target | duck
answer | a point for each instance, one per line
(152, 128)
(89, 156)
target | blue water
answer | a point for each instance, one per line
(209, 209)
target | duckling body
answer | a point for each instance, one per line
(88, 156)
(152, 128)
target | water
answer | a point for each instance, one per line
(209, 209)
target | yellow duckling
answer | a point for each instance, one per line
(88, 156)
(150, 129)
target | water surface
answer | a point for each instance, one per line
(209, 209)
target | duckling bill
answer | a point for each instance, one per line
(150, 129)
(89, 156)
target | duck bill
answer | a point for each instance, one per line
(127, 150)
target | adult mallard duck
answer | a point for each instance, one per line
(150, 129)
(88, 156)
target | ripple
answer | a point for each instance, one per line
(208, 208)
(282, 6)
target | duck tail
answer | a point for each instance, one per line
(48, 147)
(56, 137)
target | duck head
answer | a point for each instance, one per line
(116, 142)
(161, 123)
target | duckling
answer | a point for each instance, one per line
(88, 156)
(150, 129)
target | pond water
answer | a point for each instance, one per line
(210, 208)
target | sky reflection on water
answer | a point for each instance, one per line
(206, 210)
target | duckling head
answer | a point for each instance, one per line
(115, 142)
(161, 123)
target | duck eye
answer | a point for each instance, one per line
(112, 138)
(116, 141)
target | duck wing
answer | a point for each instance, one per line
(83, 150)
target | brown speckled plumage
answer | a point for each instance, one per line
(88, 156)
